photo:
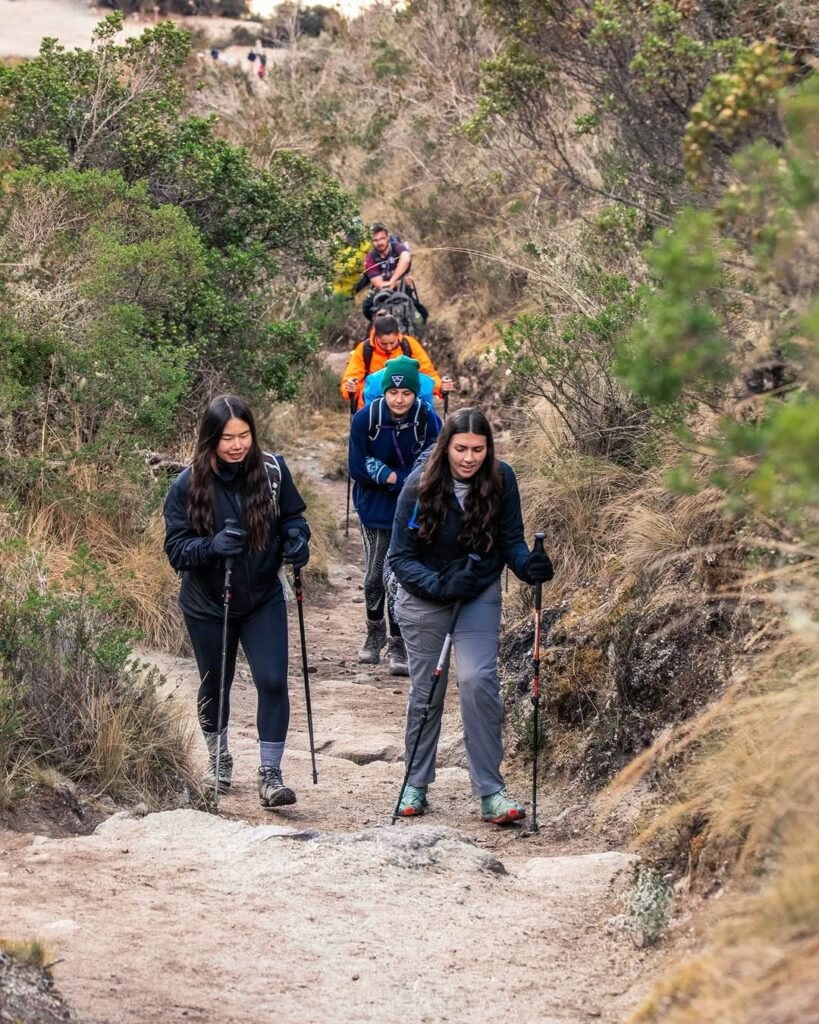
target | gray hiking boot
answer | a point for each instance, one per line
(500, 809)
(225, 771)
(272, 790)
(397, 657)
(370, 653)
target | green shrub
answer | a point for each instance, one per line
(73, 697)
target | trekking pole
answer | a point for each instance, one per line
(436, 675)
(539, 538)
(226, 593)
(304, 668)
(349, 478)
(446, 401)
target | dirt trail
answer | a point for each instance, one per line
(23, 23)
(324, 912)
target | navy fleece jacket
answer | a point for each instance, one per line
(393, 449)
(421, 567)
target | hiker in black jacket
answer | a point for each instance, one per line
(457, 524)
(231, 478)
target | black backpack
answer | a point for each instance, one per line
(400, 305)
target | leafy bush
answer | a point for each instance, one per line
(642, 69)
(569, 363)
(256, 237)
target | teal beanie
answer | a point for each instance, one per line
(401, 372)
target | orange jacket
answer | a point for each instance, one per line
(355, 367)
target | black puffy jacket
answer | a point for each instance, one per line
(255, 574)
(419, 566)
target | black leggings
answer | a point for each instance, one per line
(263, 635)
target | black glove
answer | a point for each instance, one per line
(229, 542)
(460, 582)
(538, 568)
(295, 551)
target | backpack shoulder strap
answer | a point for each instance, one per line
(367, 352)
(274, 478)
(376, 418)
(405, 346)
(421, 422)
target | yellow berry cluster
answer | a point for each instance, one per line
(733, 98)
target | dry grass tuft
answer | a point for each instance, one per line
(73, 698)
(658, 530)
(749, 809)
(752, 774)
(763, 963)
(32, 952)
(147, 588)
(567, 501)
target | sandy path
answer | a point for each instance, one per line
(23, 23)
(323, 912)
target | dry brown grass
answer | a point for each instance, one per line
(567, 500)
(657, 529)
(138, 571)
(135, 746)
(68, 697)
(762, 965)
(751, 788)
(753, 769)
(32, 952)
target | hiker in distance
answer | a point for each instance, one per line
(386, 438)
(462, 503)
(388, 266)
(370, 356)
(237, 502)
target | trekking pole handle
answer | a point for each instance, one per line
(539, 539)
(293, 533)
(232, 528)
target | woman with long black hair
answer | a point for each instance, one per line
(462, 502)
(232, 479)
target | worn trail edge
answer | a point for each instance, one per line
(323, 912)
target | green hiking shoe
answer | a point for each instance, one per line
(500, 810)
(413, 802)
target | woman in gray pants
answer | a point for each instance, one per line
(462, 501)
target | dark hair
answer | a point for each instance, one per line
(377, 228)
(386, 325)
(257, 500)
(436, 488)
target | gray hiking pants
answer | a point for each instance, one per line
(423, 626)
